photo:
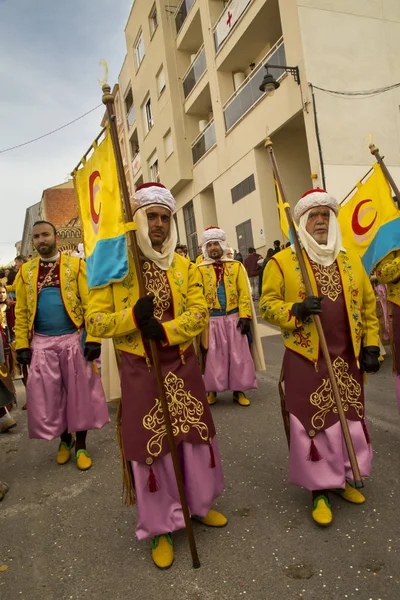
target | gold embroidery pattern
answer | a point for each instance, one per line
(185, 412)
(349, 390)
(328, 279)
(156, 283)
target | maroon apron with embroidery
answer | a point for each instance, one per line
(309, 392)
(143, 430)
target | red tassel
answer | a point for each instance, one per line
(153, 487)
(212, 458)
(314, 455)
(366, 432)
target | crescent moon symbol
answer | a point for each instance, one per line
(93, 189)
(358, 229)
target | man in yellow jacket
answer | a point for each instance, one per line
(229, 364)
(172, 314)
(388, 272)
(344, 298)
(64, 394)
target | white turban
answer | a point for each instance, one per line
(314, 198)
(213, 234)
(147, 196)
(322, 254)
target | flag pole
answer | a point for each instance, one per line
(108, 100)
(375, 152)
(358, 482)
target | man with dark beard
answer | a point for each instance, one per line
(229, 363)
(172, 313)
(64, 394)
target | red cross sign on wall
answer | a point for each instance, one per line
(228, 22)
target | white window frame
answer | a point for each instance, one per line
(139, 49)
(168, 134)
(161, 89)
(147, 114)
(154, 167)
(153, 22)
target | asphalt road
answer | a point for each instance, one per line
(66, 535)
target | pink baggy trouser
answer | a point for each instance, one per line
(63, 391)
(333, 468)
(229, 364)
(161, 511)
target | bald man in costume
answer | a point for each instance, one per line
(345, 301)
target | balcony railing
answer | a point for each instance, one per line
(131, 117)
(204, 142)
(248, 94)
(194, 72)
(136, 164)
(182, 12)
(228, 20)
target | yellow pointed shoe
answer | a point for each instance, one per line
(162, 551)
(83, 460)
(351, 495)
(213, 519)
(321, 512)
(64, 451)
(211, 398)
(241, 399)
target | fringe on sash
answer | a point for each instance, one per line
(128, 490)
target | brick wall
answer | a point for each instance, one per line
(59, 206)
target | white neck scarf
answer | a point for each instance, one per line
(51, 259)
(322, 254)
(162, 259)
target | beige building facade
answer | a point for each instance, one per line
(190, 112)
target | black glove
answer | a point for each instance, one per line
(370, 359)
(143, 310)
(310, 306)
(24, 356)
(244, 326)
(92, 351)
(153, 330)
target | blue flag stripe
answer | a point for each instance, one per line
(386, 240)
(108, 262)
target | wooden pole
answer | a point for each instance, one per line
(108, 100)
(358, 482)
(375, 152)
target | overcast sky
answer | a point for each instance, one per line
(49, 66)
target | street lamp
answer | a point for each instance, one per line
(270, 84)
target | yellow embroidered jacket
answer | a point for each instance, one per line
(110, 313)
(388, 271)
(236, 288)
(74, 294)
(283, 286)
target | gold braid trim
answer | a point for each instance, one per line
(128, 490)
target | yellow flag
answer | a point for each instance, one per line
(370, 220)
(99, 198)
(282, 215)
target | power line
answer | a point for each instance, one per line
(364, 93)
(40, 137)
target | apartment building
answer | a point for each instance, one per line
(192, 115)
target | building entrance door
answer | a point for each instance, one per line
(244, 234)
